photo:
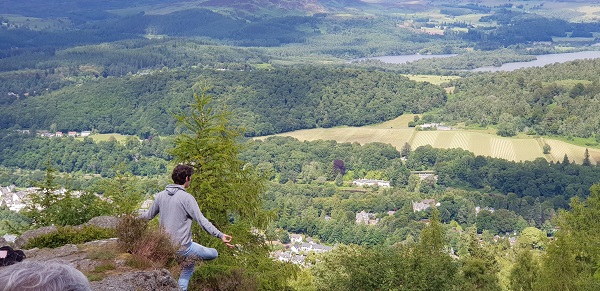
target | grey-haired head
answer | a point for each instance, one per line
(42, 276)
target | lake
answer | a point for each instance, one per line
(541, 60)
(402, 59)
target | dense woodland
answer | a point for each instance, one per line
(103, 67)
(263, 101)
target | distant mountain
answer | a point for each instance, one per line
(82, 10)
(309, 6)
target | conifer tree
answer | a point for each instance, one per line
(572, 261)
(124, 192)
(434, 269)
(565, 160)
(524, 273)
(229, 195)
(49, 206)
(586, 158)
(479, 267)
(40, 202)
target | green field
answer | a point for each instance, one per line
(34, 23)
(397, 133)
(433, 79)
(106, 136)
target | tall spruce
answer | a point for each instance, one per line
(229, 194)
(586, 158)
(433, 268)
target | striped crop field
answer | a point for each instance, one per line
(480, 144)
(558, 150)
(396, 132)
(397, 137)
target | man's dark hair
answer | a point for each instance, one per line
(180, 173)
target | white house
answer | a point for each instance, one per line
(295, 238)
(371, 182)
(366, 218)
(425, 174)
(478, 209)
(424, 204)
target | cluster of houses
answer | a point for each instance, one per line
(434, 126)
(369, 218)
(13, 199)
(298, 248)
(46, 133)
(386, 184)
(16, 200)
(371, 182)
(424, 204)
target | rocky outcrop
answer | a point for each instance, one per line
(101, 261)
(92, 256)
(24, 238)
(100, 221)
(138, 281)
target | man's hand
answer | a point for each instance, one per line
(226, 239)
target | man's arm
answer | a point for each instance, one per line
(153, 211)
(196, 214)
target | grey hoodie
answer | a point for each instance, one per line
(177, 209)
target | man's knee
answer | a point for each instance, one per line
(212, 254)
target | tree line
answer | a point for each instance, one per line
(142, 158)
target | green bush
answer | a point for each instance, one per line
(70, 235)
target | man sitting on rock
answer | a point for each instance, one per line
(177, 209)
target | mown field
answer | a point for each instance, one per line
(106, 137)
(397, 133)
(433, 79)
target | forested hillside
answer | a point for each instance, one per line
(263, 101)
(559, 99)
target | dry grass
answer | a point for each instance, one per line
(481, 142)
(433, 79)
(106, 137)
(575, 153)
(149, 247)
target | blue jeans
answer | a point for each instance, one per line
(193, 253)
